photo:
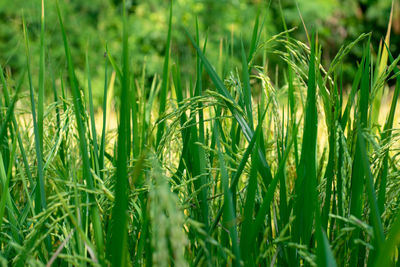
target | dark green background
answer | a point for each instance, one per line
(92, 24)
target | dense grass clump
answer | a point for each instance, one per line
(219, 169)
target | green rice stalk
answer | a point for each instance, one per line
(164, 85)
(118, 244)
(104, 126)
(78, 109)
(306, 181)
(42, 78)
(358, 175)
(385, 139)
(380, 69)
(40, 199)
(229, 215)
(95, 153)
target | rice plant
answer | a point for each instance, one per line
(237, 168)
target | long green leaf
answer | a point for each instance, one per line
(164, 85)
(78, 109)
(385, 138)
(118, 242)
(40, 119)
(40, 195)
(229, 215)
(358, 173)
(306, 182)
(92, 120)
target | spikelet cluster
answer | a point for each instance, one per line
(166, 221)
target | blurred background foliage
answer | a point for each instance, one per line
(93, 24)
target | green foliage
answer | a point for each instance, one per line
(93, 24)
(235, 165)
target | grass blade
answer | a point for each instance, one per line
(40, 195)
(306, 182)
(78, 109)
(229, 215)
(164, 84)
(10, 108)
(92, 120)
(246, 89)
(248, 210)
(385, 138)
(118, 243)
(375, 214)
(380, 69)
(41, 79)
(104, 127)
(387, 253)
(358, 175)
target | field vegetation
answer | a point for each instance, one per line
(234, 161)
